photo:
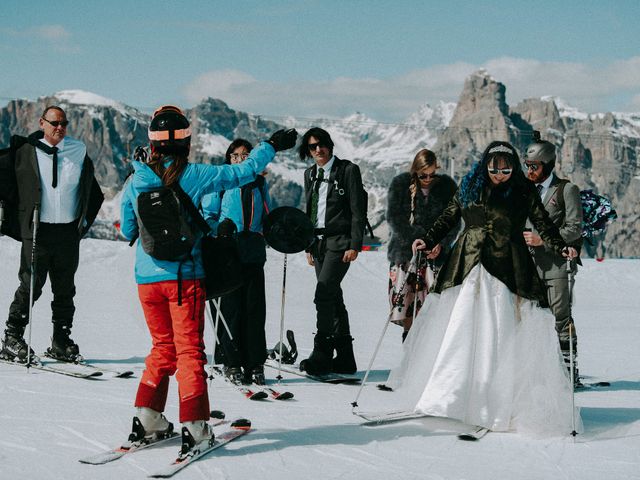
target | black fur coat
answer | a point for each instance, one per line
(402, 233)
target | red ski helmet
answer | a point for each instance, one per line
(169, 130)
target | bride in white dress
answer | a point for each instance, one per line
(484, 351)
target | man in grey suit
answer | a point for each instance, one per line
(561, 199)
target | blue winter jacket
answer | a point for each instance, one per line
(251, 243)
(196, 180)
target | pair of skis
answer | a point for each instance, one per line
(294, 369)
(252, 392)
(235, 430)
(78, 370)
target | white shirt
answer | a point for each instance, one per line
(322, 192)
(545, 186)
(60, 204)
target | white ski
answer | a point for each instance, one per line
(327, 378)
(379, 418)
(63, 368)
(196, 453)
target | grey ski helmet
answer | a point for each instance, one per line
(541, 151)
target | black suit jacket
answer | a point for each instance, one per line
(24, 163)
(346, 214)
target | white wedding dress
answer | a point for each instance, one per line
(480, 354)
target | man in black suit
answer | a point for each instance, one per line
(55, 185)
(337, 206)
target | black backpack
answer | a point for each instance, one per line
(166, 231)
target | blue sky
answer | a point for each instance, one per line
(308, 57)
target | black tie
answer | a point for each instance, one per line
(54, 178)
(316, 196)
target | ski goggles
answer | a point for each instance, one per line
(160, 135)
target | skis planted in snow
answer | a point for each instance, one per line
(69, 369)
(326, 378)
(104, 370)
(131, 446)
(276, 395)
(474, 435)
(237, 429)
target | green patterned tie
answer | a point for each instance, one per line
(316, 196)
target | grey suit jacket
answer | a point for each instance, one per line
(568, 220)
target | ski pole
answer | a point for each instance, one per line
(284, 286)
(415, 294)
(32, 282)
(354, 404)
(214, 324)
(573, 390)
(1, 215)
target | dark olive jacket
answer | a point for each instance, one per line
(492, 236)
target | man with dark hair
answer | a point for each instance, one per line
(337, 206)
(561, 199)
(58, 191)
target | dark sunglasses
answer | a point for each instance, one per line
(312, 146)
(532, 166)
(503, 171)
(57, 123)
(425, 176)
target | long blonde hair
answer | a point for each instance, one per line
(424, 158)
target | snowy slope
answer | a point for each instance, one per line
(49, 421)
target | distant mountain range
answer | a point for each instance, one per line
(597, 151)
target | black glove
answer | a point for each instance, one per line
(283, 139)
(140, 154)
(227, 228)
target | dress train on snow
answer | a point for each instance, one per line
(487, 357)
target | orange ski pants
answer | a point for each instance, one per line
(178, 345)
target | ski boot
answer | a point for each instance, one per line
(195, 435)
(320, 360)
(344, 361)
(234, 375)
(14, 348)
(149, 424)
(256, 376)
(63, 348)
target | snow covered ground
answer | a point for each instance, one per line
(48, 421)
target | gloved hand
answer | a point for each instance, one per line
(227, 228)
(140, 154)
(283, 139)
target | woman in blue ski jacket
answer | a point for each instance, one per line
(243, 210)
(172, 291)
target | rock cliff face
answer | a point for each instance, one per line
(598, 151)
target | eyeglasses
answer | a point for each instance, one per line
(425, 176)
(532, 166)
(57, 123)
(503, 171)
(239, 156)
(312, 146)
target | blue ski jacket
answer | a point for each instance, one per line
(196, 180)
(219, 206)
